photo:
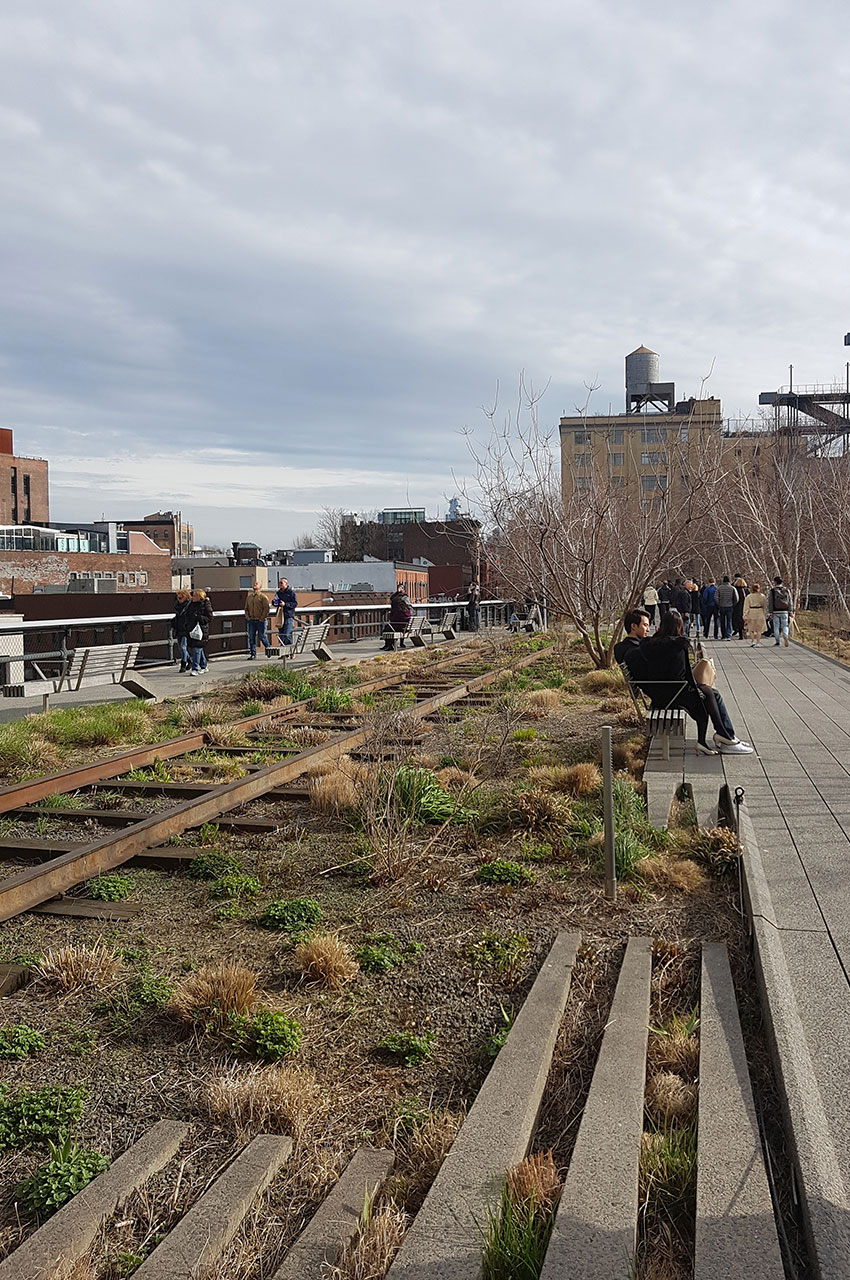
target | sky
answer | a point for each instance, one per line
(262, 258)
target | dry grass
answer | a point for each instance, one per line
(194, 715)
(669, 1097)
(539, 703)
(306, 736)
(422, 1147)
(674, 1052)
(573, 779)
(264, 1099)
(226, 735)
(540, 810)
(628, 755)
(601, 682)
(72, 967)
(453, 779)
(333, 793)
(328, 959)
(534, 1179)
(210, 995)
(368, 1255)
(666, 870)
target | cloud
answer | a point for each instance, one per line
(320, 236)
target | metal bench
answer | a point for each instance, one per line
(115, 660)
(413, 632)
(447, 626)
(663, 723)
(312, 639)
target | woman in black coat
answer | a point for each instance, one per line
(198, 614)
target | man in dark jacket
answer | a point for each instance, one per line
(401, 612)
(473, 601)
(708, 607)
(680, 598)
(780, 606)
(180, 628)
(286, 602)
(725, 597)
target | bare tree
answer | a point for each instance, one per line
(585, 542)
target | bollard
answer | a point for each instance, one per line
(608, 814)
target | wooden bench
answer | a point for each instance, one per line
(312, 639)
(115, 660)
(447, 626)
(413, 632)
(663, 723)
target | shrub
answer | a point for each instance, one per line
(307, 736)
(417, 793)
(69, 968)
(718, 850)
(226, 735)
(259, 688)
(408, 1046)
(327, 958)
(601, 682)
(35, 1115)
(68, 1169)
(267, 1035)
(251, 708)
(292, 915)
(670, 1098)
(264, 1098)
(100, 725)
(505, 953)
(503, 871)
(112, 887)
(213, 865)
(524, 735)
(213, 994)
(196, 715)
(235, 886)
(539, 703)
(19, 1041)
(539, 810)
(574, 779)
(332, 700)
(382, 952)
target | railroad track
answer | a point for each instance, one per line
(429, 689)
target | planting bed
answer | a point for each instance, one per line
(442, 866)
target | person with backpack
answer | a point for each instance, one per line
(781, 608)
(401, 611)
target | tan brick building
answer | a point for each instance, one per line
(167, 530)
(23, 486)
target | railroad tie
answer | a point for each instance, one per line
(595, 1227)
(445, 1240)
(206, 1230)
(735, 1227)
(71, 1230)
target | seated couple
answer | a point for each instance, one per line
(660, 665)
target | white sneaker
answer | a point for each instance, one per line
(737, 749)
(703, 749)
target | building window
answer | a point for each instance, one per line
(617, 435)
(653, 435)
(617, 459)
(582, 460)
(583, 482)
(581, 437)
(653, 459)
(618, 481)
(683, 435)
(648, 483)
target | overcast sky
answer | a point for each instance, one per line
(265, 257)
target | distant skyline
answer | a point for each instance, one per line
(263, 259)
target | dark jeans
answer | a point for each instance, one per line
(704, 705)
(650, 609)
(716, 708)
(183, 645)
(712, 614)
(725, 622)
(472, 614)
(256, 635)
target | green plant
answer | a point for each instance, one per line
(214, 865)
(266, 1034)
(124, 1263)
(524, 735)
(536, 851)
(668, 1164)
(408, 1046)
(290, 915)
(251, 708)
(111, 887)
(67, 1170)
(496, 1041)
(332, 700)
(235, 886)
(382, 952)
(227, 911)
(417, 793)
(208, 833)
(503, 871)
(35, 1115)
(130, 1008)
(19, 1041)
(504, 953)
(62, 800)
(518, 1232)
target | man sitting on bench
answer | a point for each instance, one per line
(656, 663)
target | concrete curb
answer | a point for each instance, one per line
(446, 1239)
(823, 1194)
(335, 1221)
(595, 1228)
(70, 1231)
(736, 1235)
(209, 1226)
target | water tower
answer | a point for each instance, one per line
(643, 388)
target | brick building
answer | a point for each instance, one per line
(23, 486)
(443, 542)
(34, 558)
(167, 530)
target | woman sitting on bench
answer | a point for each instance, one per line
(667, 659)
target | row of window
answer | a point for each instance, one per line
(648, 435)
(126, 578)
(653, 458)
(647, 483)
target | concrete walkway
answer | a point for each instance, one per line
(794, 706)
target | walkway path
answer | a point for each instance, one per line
(794, 706)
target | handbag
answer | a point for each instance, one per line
(705, 672)
(197, 632)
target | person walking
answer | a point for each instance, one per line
(473, 603)
(738, 624)
(664, 593)
(708, 606)
(401, 611)
(680, 598)
(650, 602)
(755, 613)
(725, 597)
(285, 603)
(180, 629)
(781, 606)
(198, 616)
(693, 587)
(257, 615)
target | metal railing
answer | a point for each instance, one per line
(49, 642)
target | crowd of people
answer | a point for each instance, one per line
(721, 610)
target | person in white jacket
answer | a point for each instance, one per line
(650, 600)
